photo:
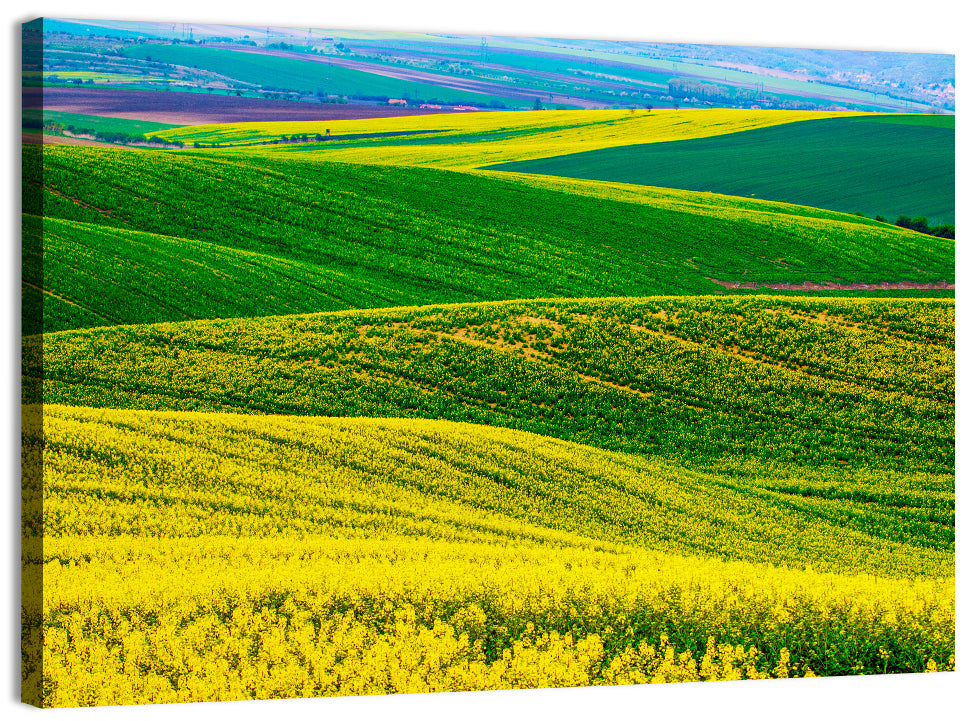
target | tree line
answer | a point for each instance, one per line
(921, 225)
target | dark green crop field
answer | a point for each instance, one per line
(873, 165)
(811, 383)
(235, 228)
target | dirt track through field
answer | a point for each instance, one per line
(830, 287)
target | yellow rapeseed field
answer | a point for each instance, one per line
(472, 140)
(193, 557)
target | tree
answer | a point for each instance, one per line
(944, 231)
(537, 104)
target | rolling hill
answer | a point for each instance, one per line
(450, 481)
(470, 140)
(714, 382)
(90, 275)
(227, 235)
(875, 165)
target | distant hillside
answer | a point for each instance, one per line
(876, 165)
(511, 72)
(305, 74)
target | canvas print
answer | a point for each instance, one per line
(376, 362)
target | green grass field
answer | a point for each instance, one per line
(37, 118)
(360, 236)
(871, 165)
(92, 275)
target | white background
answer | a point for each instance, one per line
(933, 26)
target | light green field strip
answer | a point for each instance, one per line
(98, 77)
(37, 117)
(529, 135)
(781, 217)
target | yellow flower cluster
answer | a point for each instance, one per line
(650, 664)
(241, 650)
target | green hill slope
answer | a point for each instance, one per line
(871, 165)
(384, 236)
(80, 275)
(715, 382)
